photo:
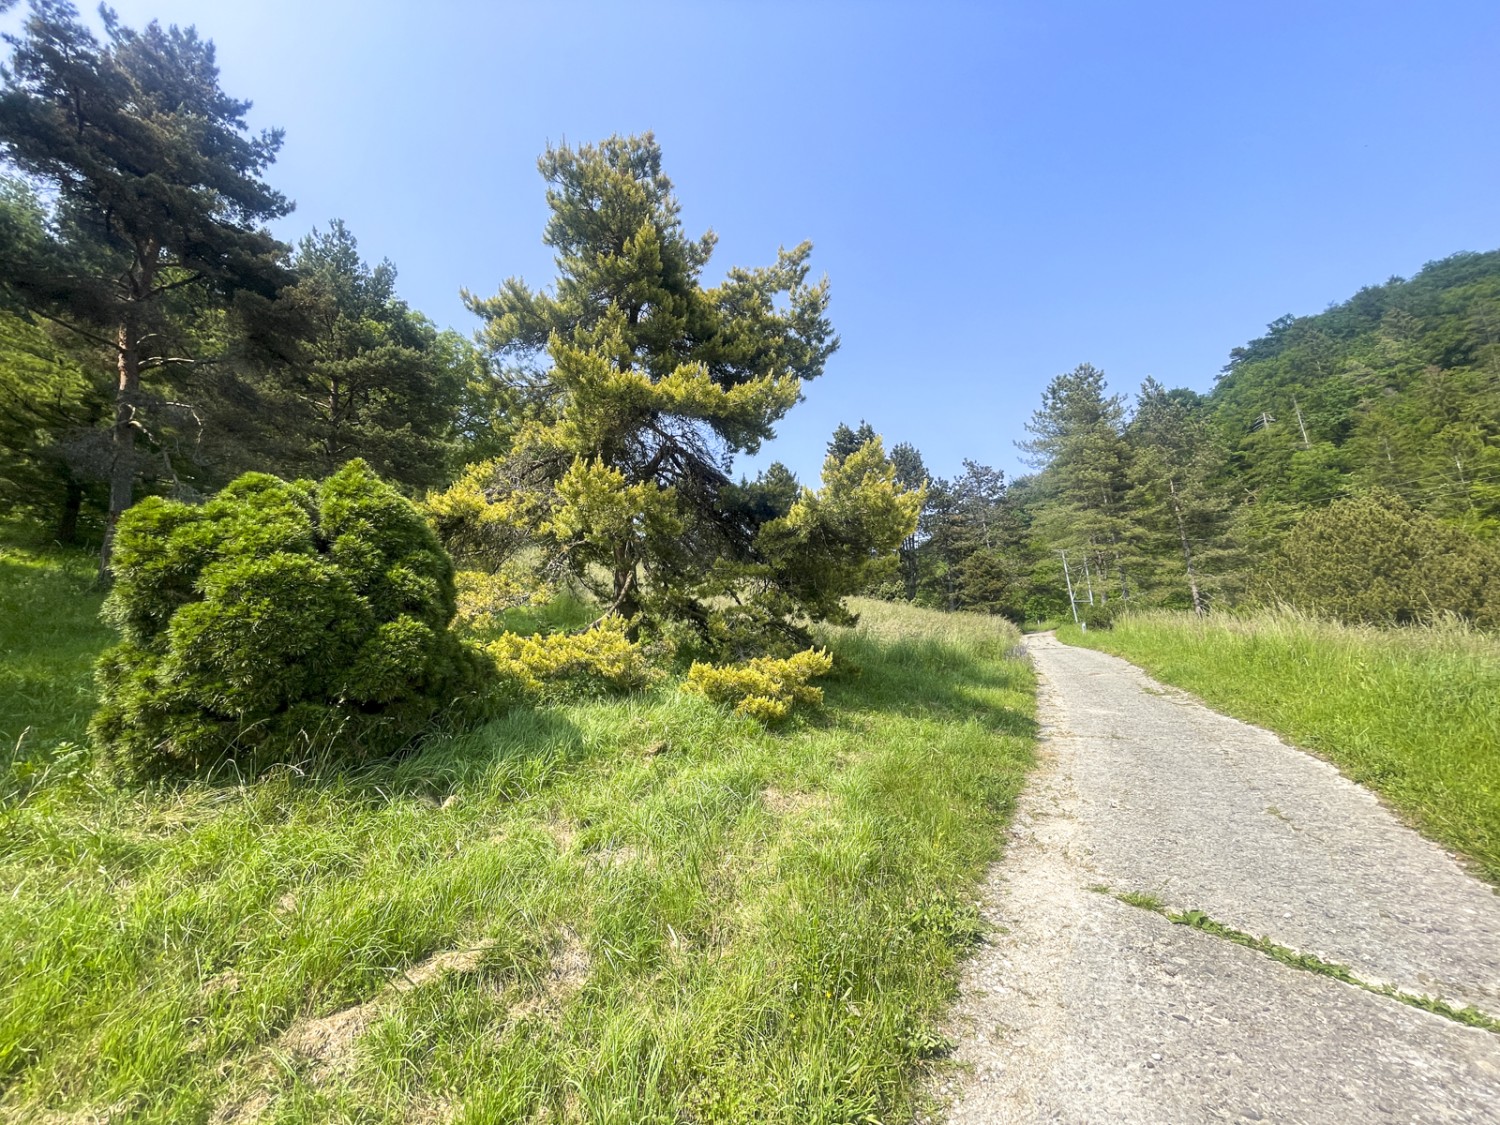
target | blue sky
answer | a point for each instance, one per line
(997, 192)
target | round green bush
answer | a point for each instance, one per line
(1098, 616)
(277, 622)
(1375, 559)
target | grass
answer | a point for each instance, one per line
(626, 910)
(50, 634)
(1412, 713)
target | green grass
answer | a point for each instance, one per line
(630, 910)
(1412, 713)
(50, 634)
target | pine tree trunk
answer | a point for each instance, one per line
(1187, 550)
(122, 458)
(67, 522)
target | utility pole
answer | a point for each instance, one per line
(1069, 580)
(1300, 424)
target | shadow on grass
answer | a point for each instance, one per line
(504, 756)
(931, 679)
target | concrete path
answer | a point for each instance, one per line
(1085, 1009)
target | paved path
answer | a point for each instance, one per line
(1085, 1009)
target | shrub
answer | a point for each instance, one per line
(1376, 559)
(277, 618)
(552, 663)
(764, 688)
(1098, 616)
(484, 597)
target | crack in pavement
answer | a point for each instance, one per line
(1083, 1008)
(1306, 962)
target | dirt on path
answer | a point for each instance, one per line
(1083, 1008)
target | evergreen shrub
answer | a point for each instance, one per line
(279, 620)
(1098, 616)
(765, 688)
(560, 663)
(1375, 559)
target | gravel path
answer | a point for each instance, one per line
(1085, 1009)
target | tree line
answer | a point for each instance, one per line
(156, 339)
(1346, 462)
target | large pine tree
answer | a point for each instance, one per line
(158, 185)
(643, 384)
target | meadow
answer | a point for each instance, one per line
(634, 909)
(1412, 713)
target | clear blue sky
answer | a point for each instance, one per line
(997, 192)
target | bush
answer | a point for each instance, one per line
(1099, 616)
(277, 619)
(558, 663)
(485, 597)
(764, 688)
(1375, 559)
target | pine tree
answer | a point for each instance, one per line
(377, 379)
(157, 181)
(1176, 506)
(911, 473)
(1079, 442)
(642, 386)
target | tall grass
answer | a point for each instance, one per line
(1414, 713)
(632, 910)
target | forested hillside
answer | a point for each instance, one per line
(1348, 462)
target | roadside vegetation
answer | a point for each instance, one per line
(629, 909)
(1409, 712)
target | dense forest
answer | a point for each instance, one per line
(156, 340)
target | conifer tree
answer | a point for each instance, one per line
(642, 384)
(158, 189)
(377, 379)
(1176, 507)
(1079, 441)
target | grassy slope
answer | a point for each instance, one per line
(626, 911)
(1414, 714)
(49, 636)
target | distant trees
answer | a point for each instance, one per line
(1374, 558)
(1079, 443)
(1175, 506)
(1348, 462)
(159, 201)
(371, 378)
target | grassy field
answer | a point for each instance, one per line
(633, 910)
(1412, 713)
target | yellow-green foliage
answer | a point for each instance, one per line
(476, 526)
(601, 655)
(764, 688)
(482, 595)
(596, 507)
(843, 537)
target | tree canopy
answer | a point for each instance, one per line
(643, 384)
(159, 200)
